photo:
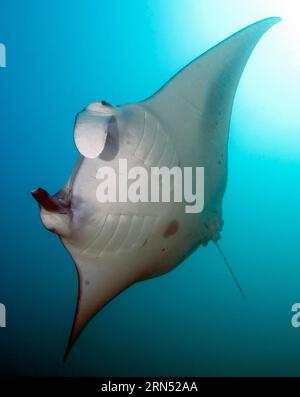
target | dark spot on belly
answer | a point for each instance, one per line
(171, 229)
(87, 282)
(163, 250)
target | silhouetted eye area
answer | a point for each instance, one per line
(105, 103)
(101, 107)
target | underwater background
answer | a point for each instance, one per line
(63, 55)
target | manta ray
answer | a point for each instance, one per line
(184, 124)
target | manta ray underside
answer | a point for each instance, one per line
(185, 124)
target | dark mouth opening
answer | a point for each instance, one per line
(58, 203)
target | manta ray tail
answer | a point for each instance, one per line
(230, 270)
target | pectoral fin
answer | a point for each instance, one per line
(98, 283)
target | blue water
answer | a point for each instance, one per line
(62, 55)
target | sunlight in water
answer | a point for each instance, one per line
(266, 110)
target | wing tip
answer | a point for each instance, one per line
(68, 348)
(268, 22)
(259, 28)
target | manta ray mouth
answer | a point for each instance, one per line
(59, 203)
